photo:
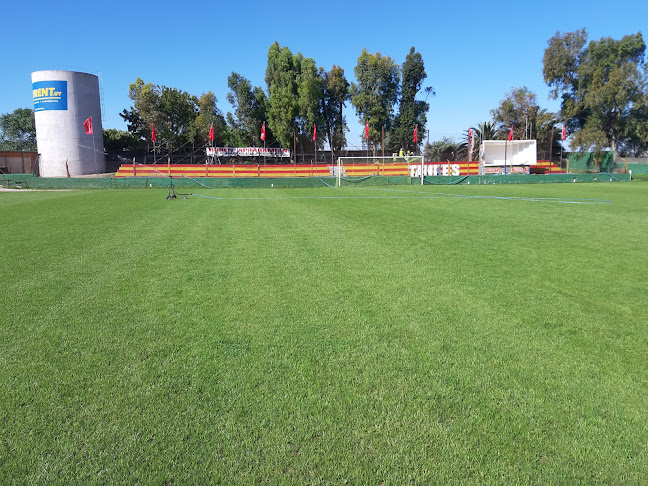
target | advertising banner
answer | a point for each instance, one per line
(246, 152)
(50, 95)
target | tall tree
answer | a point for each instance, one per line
(336, 93)
(208, 114)
(18, 130)
(143, 113)
(249, 111)
(519, 109)
(376, 92)
(603, 86)
(178, 110)
(412, 112)
(283, 100)
(311, 92)
(117, 140)
(173, 112)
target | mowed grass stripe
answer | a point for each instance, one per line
(315, 340)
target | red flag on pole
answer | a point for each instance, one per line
(263, 131)
(510, 134)
(314, 132)
(469, 135)
(564, 133)
(211, 132)
(416, 134)
(153, 132)
(88, 126)
(367, 130)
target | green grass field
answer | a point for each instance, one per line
(325, 336)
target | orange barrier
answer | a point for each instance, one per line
(307, 170)
(225, 170)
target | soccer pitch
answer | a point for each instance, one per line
(410, 334)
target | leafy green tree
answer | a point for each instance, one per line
(636, 143)
(376, 92)
(311, 93)
(412, 112)
(209, 113)
(250, 107)
(18, 130)
(603, 89)
(296, 90)
(446, 149)
(519, 109)
(173, 112)
(115, 140)
(178, 112)
(283, 100)
(336, 93)
(143, 114)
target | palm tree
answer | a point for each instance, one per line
(545, 122)
(486, 131)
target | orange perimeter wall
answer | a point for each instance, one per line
(310, 170)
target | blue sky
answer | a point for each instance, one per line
(474, 52)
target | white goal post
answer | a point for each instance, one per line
(357, 169)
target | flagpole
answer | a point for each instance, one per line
(563, 137)
(367, 137)
(211, 144)
(315, 140)
(551, 148)
(94, 150)
(416, 140)
(263, 137)
(469, 148)
(510, 137)
(332, 154)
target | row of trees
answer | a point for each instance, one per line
(298, 97)
(180, 118)
(602, 85)
(603, 88)
(519, 110)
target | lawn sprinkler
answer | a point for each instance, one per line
(171, 194)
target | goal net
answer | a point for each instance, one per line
(355, 170)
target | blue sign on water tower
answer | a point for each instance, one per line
(50, 95)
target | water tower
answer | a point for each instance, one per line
(63, 101)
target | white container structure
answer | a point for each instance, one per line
(63, 101)
(516, 153)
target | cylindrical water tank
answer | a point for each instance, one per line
(63, 102)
